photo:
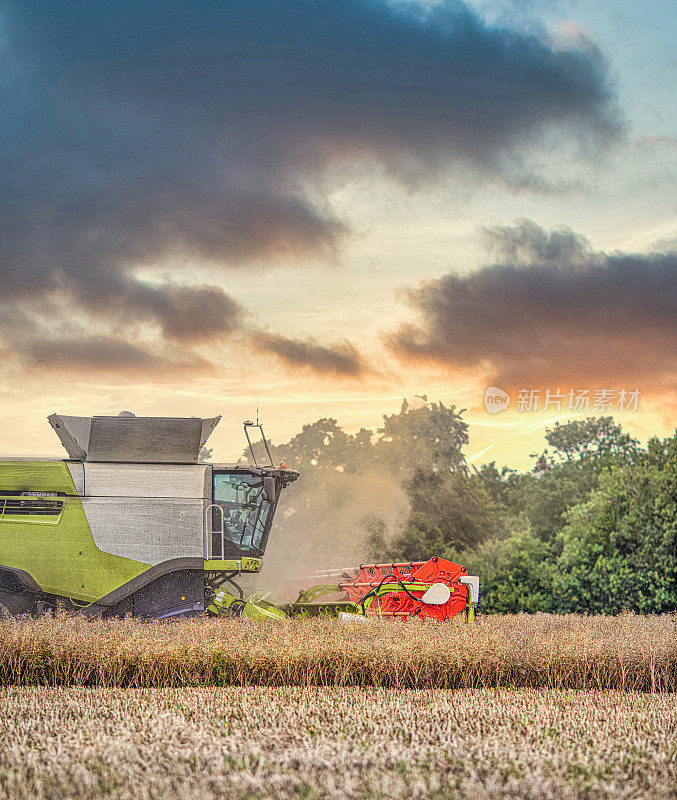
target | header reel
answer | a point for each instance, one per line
(437, 590)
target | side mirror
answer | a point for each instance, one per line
(269, 492)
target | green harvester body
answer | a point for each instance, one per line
(132, 523)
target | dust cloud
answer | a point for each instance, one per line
(326, 520)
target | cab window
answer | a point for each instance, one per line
(245, 512)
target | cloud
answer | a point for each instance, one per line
(340, 358)
(187, 314)
(90, 238)
(152, 135)
(60, 325)
(528, 244)
(102, 354)
(140, 129)
(38, 340)
(550, 312)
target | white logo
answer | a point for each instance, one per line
(496, 400)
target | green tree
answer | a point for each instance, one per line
(619, 548)
(564, 474)
(429, 438)
(455, 504)
(515, 573)
(324, 445)
(597, 439)
(592, 527)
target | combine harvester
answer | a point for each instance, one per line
(133, 523)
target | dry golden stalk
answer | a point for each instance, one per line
(628, 652)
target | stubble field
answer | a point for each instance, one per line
(329, 742)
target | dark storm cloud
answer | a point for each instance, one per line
(89, 238)
(140, 134)
(37, 345)
(187, 314)
(340, 358)
(91, 353)
(551, 311)
(136, 129)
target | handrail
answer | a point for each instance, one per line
(209, 530)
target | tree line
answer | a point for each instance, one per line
(591, 527)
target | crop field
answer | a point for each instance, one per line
(335, 742)
(520, 706)
(628, 652)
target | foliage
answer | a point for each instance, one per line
(619, 549)
(564, 474)
(516, 574)
(604, 510)
(595, 438)
(429, 437)
(356, 488)
(449, 510)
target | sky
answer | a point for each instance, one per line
(325, 207)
